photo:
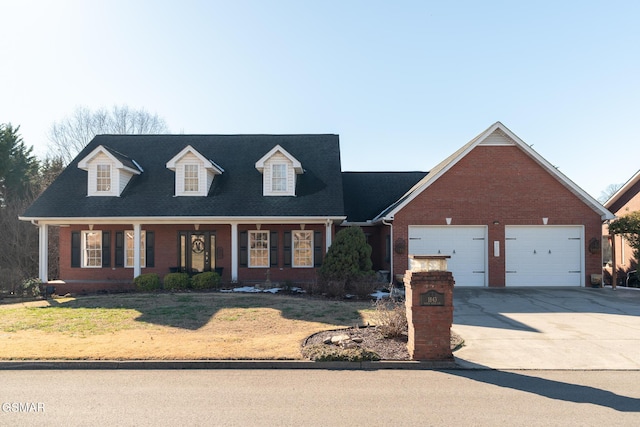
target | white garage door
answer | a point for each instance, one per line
(466, 246)
(544, 255)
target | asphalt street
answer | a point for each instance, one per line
(319, 398)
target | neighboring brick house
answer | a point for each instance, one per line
(619, 253)
(267, 206)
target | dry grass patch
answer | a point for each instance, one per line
(170, 326)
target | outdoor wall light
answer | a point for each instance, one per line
(448, 221)
(496, 222)
(545, 220)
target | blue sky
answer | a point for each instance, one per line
(404, 83)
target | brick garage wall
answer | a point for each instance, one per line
(498, 183)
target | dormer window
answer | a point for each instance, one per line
(191, 181)
(279, 177)
(103, 177)
(194, 172)
(109, 171)
(279, 171)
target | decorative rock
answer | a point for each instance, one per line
(348, 344)
(337, 339)
(357, 339)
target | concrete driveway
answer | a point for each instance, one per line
(548, 328)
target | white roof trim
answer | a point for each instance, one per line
(208, 164)
(448, 163)
(297, 166)
(84, 163)
(185, 220)
(627, 185)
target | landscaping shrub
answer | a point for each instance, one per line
(363, 287)
(332, 288)
(31, 287)
(206, 280)
(327, 353)
(390, 318)
(147, 282)
(348, 261)
(176, 281)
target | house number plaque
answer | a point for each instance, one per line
(432, 298)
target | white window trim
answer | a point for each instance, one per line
(110, 184)
(143, 245)
(197, 177)
(249, 249)
(285, 178)
(293, 248)
(85, 258)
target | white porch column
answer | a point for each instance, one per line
(328, 229)
(234, 251)
(43, 252)
(137, 270)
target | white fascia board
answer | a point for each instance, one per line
(84, 163)
(297, 166)
(186, 220)
(208, 164)
(443, 167)
(572, 186)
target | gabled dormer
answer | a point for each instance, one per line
(109, 172)
(279, 170)
(194, 173)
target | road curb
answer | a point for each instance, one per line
(220, 364)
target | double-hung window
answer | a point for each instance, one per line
(303, 248)
(129, 250)
(191, 178)
(103, 178)
(258, 249)
(92, 249)
(279, 177)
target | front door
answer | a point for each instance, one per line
(197, 251)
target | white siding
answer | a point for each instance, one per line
(278, 158)
(497, 138)
(124, 178)
(190, 159)
(102, 159)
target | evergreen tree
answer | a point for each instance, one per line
(18, 166)
(348, 258)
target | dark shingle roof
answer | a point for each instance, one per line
(366, 194)
(235, 193)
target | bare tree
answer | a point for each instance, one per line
(608, 192)
(70, 135)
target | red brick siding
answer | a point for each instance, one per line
(280, 273)
(627, 203)
(167, 256)
(498, 183)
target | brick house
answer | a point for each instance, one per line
(504, 215)
(258, 206)
(619, 257)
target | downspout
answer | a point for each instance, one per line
(391, 274)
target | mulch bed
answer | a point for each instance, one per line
(373, 340)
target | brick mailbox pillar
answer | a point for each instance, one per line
(429, 302)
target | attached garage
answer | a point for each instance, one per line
(544, 255)
(467, 246)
